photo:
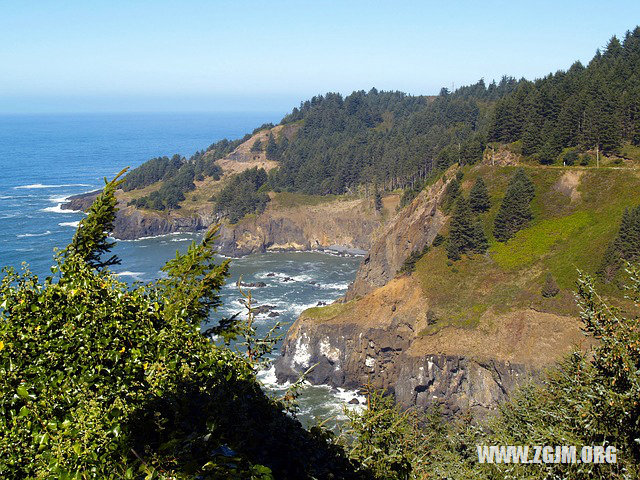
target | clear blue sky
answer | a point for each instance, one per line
(268, 55)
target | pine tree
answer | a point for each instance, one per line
(451, 193)
(515, 211)
(480, 243)
(257, 146)
(272, 151)
(377, 199)
(550, 287)
(91, 240)
(479, 197)
(625, 247)
(461, 232)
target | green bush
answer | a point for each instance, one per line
(104, 380)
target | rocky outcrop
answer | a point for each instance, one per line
(380, 340)
(132, 223)
(343, 226)
(411, 229)
(346, 223)
(80, 202)
(346, 356)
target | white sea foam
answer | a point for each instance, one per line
(69, 224)
(193, 234)
(269, 380)
(282, 276)
(134, 275)
(57, 209)
(40, 185)
(22, 235)
(334, 286)
(59, 198)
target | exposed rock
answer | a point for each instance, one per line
(354, 401)
(263, 309)
(340, 226)
(80, 202)
(368, 341)
(253, 284)
(411, 229)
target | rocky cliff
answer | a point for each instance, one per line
(465, 333)
(345, 223)
(381, 340)
(411, 229)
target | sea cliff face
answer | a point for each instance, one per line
(411, 229)
(461, 334)
(380, 340)
(345, 225)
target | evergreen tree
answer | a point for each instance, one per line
(479, 240)
(461, 231)
(515, 210)
(451, 193)
(91, 239)
(257, 146)
(625, 247)
(272, 150)
(550, 287)
(377, 199)
(479, 197)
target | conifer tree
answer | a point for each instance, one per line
(479, 197)
(515, 211)
(377, 199)
(625, 247)
(272, 150)
(257, 146)
(451, 193)
(480, 243)
(550, 287)
(91, 239)
(461, 232)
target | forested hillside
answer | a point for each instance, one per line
(391, 140)
(592, 107)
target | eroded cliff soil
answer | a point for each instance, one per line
(347, 224)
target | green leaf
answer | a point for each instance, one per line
(22, 392)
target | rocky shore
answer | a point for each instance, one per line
(340, 227)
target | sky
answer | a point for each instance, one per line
(243, 55)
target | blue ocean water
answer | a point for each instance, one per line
(46, 158)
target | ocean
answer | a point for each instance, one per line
(46, 158)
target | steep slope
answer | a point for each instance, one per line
(410, 230)
(464, 333)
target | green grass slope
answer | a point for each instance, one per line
(576, 214)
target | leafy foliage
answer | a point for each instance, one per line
(590, 398)
(101, 379)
